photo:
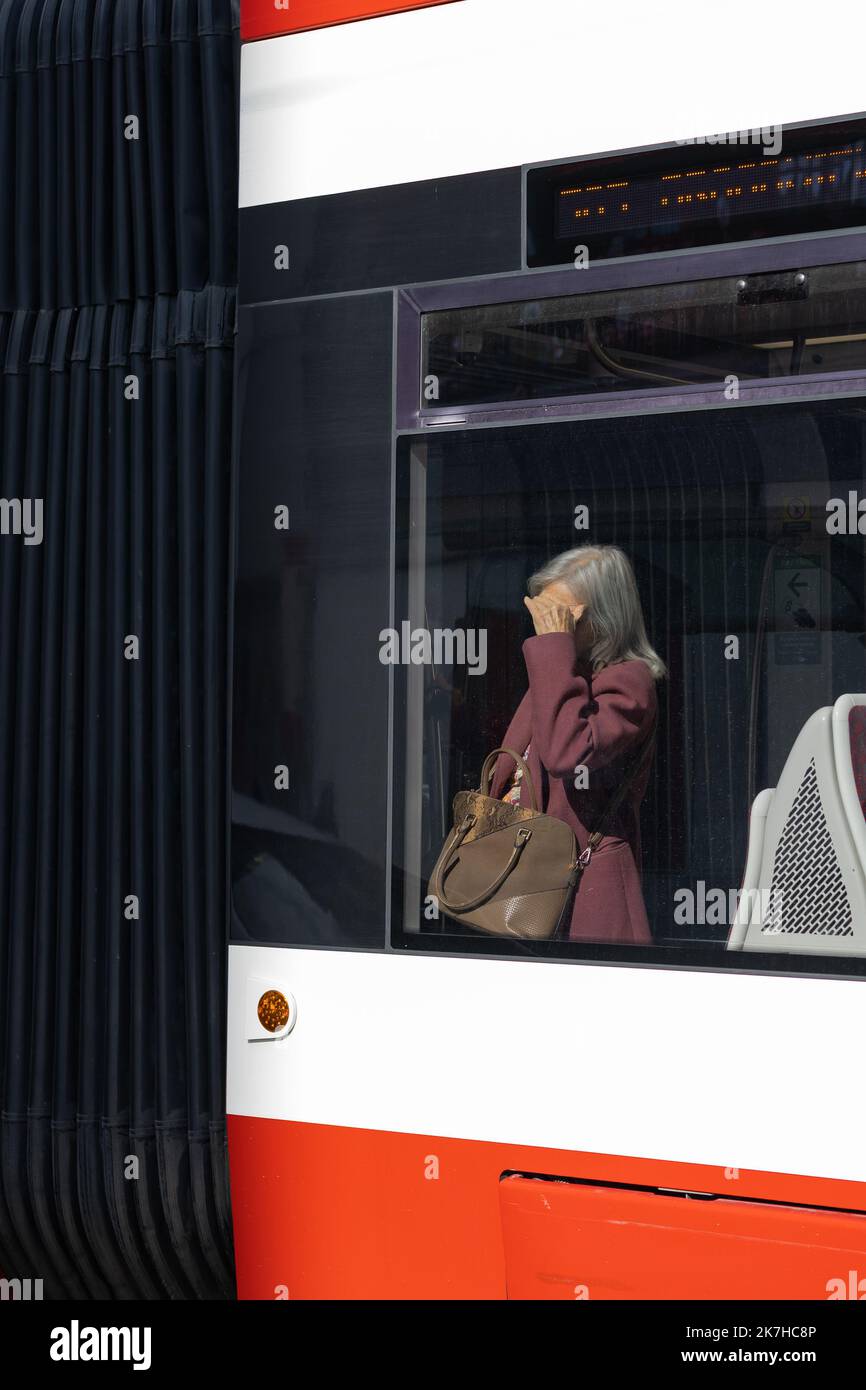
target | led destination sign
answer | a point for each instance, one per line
(714, 188)
(699, 193)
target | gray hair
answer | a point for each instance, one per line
(601, 576)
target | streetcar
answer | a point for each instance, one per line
(516, 280)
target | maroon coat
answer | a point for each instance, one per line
(569, 718)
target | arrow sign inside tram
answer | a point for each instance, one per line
(797, 585)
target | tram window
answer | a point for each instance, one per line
(742, 530)
(802, 323)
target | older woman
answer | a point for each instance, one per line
(590, 706)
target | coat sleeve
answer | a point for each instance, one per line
(579, 719)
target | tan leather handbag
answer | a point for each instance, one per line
(511, 870)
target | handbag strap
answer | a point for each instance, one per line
(521, 840)
(620, 794)
(487, 773)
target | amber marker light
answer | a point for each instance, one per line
(273, 1011)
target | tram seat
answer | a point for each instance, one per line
(804, 886)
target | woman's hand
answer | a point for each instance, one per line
(549, 615)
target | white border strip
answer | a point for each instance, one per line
(747, 1071)
(492, 83)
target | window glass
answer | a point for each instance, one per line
(310, 729)
(743, 528)
(755, 327)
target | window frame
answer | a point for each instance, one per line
(414, 424)
(664, 268)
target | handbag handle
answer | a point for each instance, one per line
(521, 839)
(487, 773)
(524, 834)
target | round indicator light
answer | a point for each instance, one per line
(273, 1010)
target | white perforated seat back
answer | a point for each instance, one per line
(804, 887)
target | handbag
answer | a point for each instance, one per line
(511, 870)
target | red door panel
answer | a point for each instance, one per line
(574, 1241)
